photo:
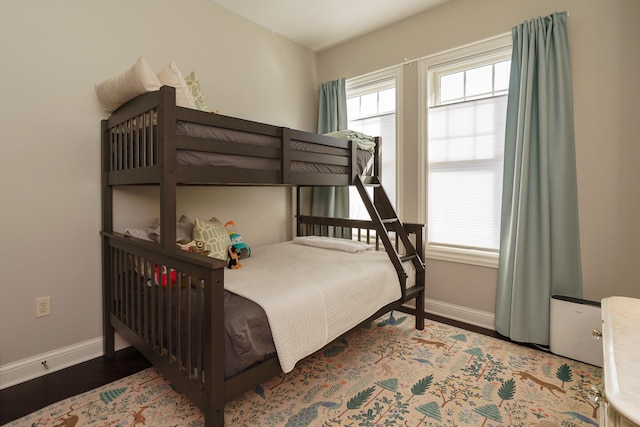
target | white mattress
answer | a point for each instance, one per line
(313, 295)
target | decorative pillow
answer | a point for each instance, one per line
(171, 76)
(138, 79)
(339, 244)
(184, 230)
(196, 92)
(215, 237)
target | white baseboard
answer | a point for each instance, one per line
(34, 367)
(484, 319)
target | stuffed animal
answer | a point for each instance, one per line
(236, 240)
(234, 262)
(195, 246)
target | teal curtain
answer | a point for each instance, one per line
(332, 116)
(539, 238)
(332, 108)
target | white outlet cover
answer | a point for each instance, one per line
(43, 306)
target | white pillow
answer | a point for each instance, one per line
(138, 79)
(171, 76)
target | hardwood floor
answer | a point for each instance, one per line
(28, 397)
(25, 398)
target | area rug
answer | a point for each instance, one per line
(386, 374)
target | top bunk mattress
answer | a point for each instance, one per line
(364, 154)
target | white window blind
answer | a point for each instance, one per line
(465, 160)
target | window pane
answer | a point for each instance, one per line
(463, 208)
(469, 130)
(451, 87)
(387, 101)
(502, 70)
(353, 107)
(369, 104)
(479, 81)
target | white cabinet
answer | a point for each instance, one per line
(610, 418)
(621, 366)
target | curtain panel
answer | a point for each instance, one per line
(332, 117)
(539, 237)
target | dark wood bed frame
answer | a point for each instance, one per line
(139, 144)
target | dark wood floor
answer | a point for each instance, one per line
(28, 397)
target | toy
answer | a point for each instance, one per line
(163, 275)
(234, 256)
(195, 246)
(236, 240)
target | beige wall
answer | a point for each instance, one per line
(52, 53)
(604, 39)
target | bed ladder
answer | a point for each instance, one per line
(386, 219)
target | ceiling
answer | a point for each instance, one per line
(320, 25)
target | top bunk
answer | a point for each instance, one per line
(151, 141)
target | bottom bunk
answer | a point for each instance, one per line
(216, 333)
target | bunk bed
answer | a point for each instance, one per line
(171, 304)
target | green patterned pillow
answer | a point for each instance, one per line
(215, 237)
(194, 86)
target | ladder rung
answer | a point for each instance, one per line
(413, 291)
(390, 220)
(408, 257)
(370, 181)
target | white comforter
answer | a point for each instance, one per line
(313, 295)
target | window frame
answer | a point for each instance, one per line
(461, 58)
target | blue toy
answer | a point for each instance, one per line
(244, 251)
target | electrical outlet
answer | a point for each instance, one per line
(43, 306)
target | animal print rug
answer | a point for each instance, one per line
(387, 374)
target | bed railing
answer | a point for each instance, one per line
(365, 231)
(169, 304)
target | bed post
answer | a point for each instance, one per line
(353, 161)
(377, 158)
(107, 226)
(213, 346)
(420, 278)
(286, 155)
(298, 211)
(168, 165)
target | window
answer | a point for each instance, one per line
(371, 109)
(465, 119)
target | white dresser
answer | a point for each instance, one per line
(620, 405)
